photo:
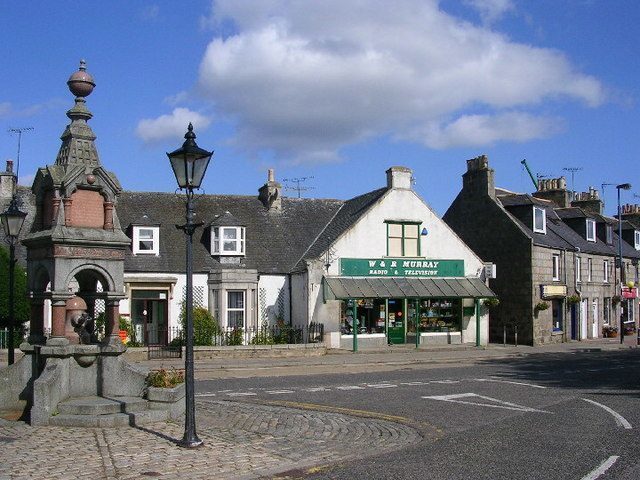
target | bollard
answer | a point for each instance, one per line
(504, 335)
(516, 334)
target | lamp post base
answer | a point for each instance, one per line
(190, 443)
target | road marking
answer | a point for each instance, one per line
(205, 394)
(445, 381)
(604, 466)
(414, 383)
(317, 389)
(381, 385)
(455, 398)
(241, 394)
(497, 380)
(350, 387)
(620, 420)
(278, 392)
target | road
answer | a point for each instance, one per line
(547, 416)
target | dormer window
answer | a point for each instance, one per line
(609, 234)
(636, 239)
(591, 230)
(539, 220)
(227, 240)
(146, 240)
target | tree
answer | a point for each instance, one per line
(22, 307)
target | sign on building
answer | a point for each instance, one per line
(400, 267)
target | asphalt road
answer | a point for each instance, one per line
(546, 416)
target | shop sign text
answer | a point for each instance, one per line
(401, 267)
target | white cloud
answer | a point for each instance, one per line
(480, 130)
(491, 10)
(303, 79)
(173, 125)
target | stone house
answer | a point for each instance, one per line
(556, 260)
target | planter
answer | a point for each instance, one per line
(165, 395)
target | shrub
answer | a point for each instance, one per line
(234, 337)
(205, 327)
(491, 302)
(165, 378)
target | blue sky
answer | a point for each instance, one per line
(334, 90)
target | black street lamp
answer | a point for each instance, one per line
(12, 219)
(189, 165)
(622, 186)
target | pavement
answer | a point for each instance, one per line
(243, 439)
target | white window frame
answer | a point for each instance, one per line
(555, 266)
(578, 269)
(590, 230)
(605, 277)
(400, 239)
(221, 245)
(536, 211)
(589, 269)
(155, 240)
(236, 309)
(636, 239)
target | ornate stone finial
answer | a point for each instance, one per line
(81, 83)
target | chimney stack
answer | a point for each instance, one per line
(479, 178)
(555, 190)
(270, 194)
(589, 201)
(399, 177)
(8, 181)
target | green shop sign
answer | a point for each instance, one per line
(400, 267)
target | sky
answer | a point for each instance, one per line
(333, 92)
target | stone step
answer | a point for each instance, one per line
(104, 420)
(94, 405)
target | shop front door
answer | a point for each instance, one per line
(396, 329)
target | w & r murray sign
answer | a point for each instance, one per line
(400, 267)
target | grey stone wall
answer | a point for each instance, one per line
(489, 230)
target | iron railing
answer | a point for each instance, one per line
(263, 335)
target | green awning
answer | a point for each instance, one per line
(339, 288)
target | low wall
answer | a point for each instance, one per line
(241, 351)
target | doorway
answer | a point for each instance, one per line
(397, 321)
(584, 312)
(149, 317)
(595, 324)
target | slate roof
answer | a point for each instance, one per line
(350, 212)
(275, 240)
(559, 234)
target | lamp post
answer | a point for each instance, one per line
(189, 164)
(622, 186)
(12, 220)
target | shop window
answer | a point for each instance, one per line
(146, 240)
(556, 266)
(606, 311)
(235, 309)
(539, 220)
(556, 315)
(403, 239)
(440, 315)
(591, 230)
(370, 312)
(227, 240)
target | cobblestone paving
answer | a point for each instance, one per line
(240, 441)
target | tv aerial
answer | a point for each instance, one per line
(19, 131)
(298, 188)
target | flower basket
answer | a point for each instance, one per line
(609, 331)
(573, 299)
(491, 302)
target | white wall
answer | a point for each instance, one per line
(273, 298)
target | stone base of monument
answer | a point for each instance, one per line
(83, 385)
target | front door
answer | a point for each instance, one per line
(149, 317)
(594, 325)
(397, 321)
(584, 309)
